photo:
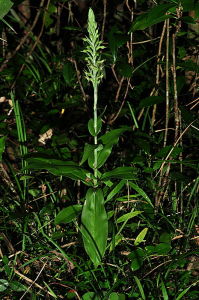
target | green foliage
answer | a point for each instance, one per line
(91, 126)
(68, 214)
(2, 146)
(5, 6)
(140, 238)
(154, 16)
(58, 167)
(94, 225)
(128, 216)
(68, 74)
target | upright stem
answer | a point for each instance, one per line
(94, 74)
(95, 87)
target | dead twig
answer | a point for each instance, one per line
(104, 18)
(9, 56)
(34, 45)
(157, 81)
(85, 97)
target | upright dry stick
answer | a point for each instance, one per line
(9, 56)
(164, 176)
(167, 84)
(176, 109)
(157, 81)
(104, 18)
(177, 116)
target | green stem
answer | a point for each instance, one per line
(95, 87)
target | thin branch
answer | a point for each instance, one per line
(130, 43)
(170, 152)
(176, 109)
(104, 18)
(34, 45)
(119, 89)
(115, 116)
(23, 40)
(78, 78)
(157, 81)
(167, 85)
(33, 282)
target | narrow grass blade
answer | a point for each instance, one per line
(140, 287)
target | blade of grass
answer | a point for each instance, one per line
(140, 287)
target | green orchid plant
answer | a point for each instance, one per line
(94, 219)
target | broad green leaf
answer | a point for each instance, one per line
(90, 296)
(189, 65)
(94, 227)
(128, 216)
(115, 241)
(189, 5)
(91, 126)
(150, 250)
(2, 146)
(188, 20)
(137, 259)
(125, 69)
(176, 151)
(91, 156)
(163, 152)
(68, 73)
(104, 154)
(162, 248)
(151, 101)
(165, 237)
(34, 192)
(113, 135)
(143, 144)
(5, 6)
(116, 296)
(51, 161)
(115, 190)
(136, 264)
(154, 16)
(110, 214)
(68, 214)
(157, 165)
(59, 167)
(140, 238)
(121, 173)
(141, 192)
(3, 285)
(88, 151)
(115, 40)
(17, 286)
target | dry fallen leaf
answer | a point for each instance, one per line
(45, 136)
